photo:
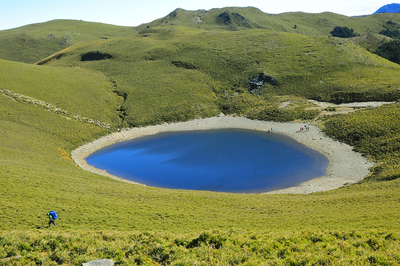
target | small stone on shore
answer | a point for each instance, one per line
(102, 262)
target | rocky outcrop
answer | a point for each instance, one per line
(102, 262)
(235, 20)
(257, 83)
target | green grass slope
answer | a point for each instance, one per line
(77, 91)
(34, 42)
(312, 24)
(175, 74)
(374, 133)
(318, 24)
(165, 74)
(132, 224)
(235, 247)
(37, 175)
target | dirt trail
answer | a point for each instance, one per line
(344, 107)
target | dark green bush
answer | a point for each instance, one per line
(369, 96)
(216, 241)
(390, 51)
(343, 32)
(390, 33)
(391, 29)
(93, 56)
(330, 109)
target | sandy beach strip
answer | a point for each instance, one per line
(345, 165)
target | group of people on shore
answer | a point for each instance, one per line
(306, 128)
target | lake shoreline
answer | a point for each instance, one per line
(345, 165)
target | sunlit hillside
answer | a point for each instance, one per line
(237, 18)
(107, 78)
(29, 44)
(34, 42)
(173, 74)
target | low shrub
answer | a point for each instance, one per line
(283, 115)
(343, 32)
(212, 248)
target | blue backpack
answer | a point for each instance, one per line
(54, 214)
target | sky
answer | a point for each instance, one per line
(17, 13)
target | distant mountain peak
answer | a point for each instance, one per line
(390, 8)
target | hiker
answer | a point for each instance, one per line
(52, 218)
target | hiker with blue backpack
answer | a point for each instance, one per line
(52, 217)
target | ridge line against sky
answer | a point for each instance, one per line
(17, 13)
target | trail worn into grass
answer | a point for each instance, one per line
(345, 165)
(343, 108)
(51, 108)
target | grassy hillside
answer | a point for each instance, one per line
(37, 175)
(371, 28)
(318, 24)
(371, 41)
(356, 223)
(165, 74)
(174, 74)
(235, 247)
(103, 218)
(32, 43)
(69, 89)
(373, 133)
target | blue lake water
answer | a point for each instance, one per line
(228, 160)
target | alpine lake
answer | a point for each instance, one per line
(223, 160)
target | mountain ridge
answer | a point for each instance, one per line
(34, 42)
(389, 8)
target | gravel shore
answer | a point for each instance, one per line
(345, 165)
